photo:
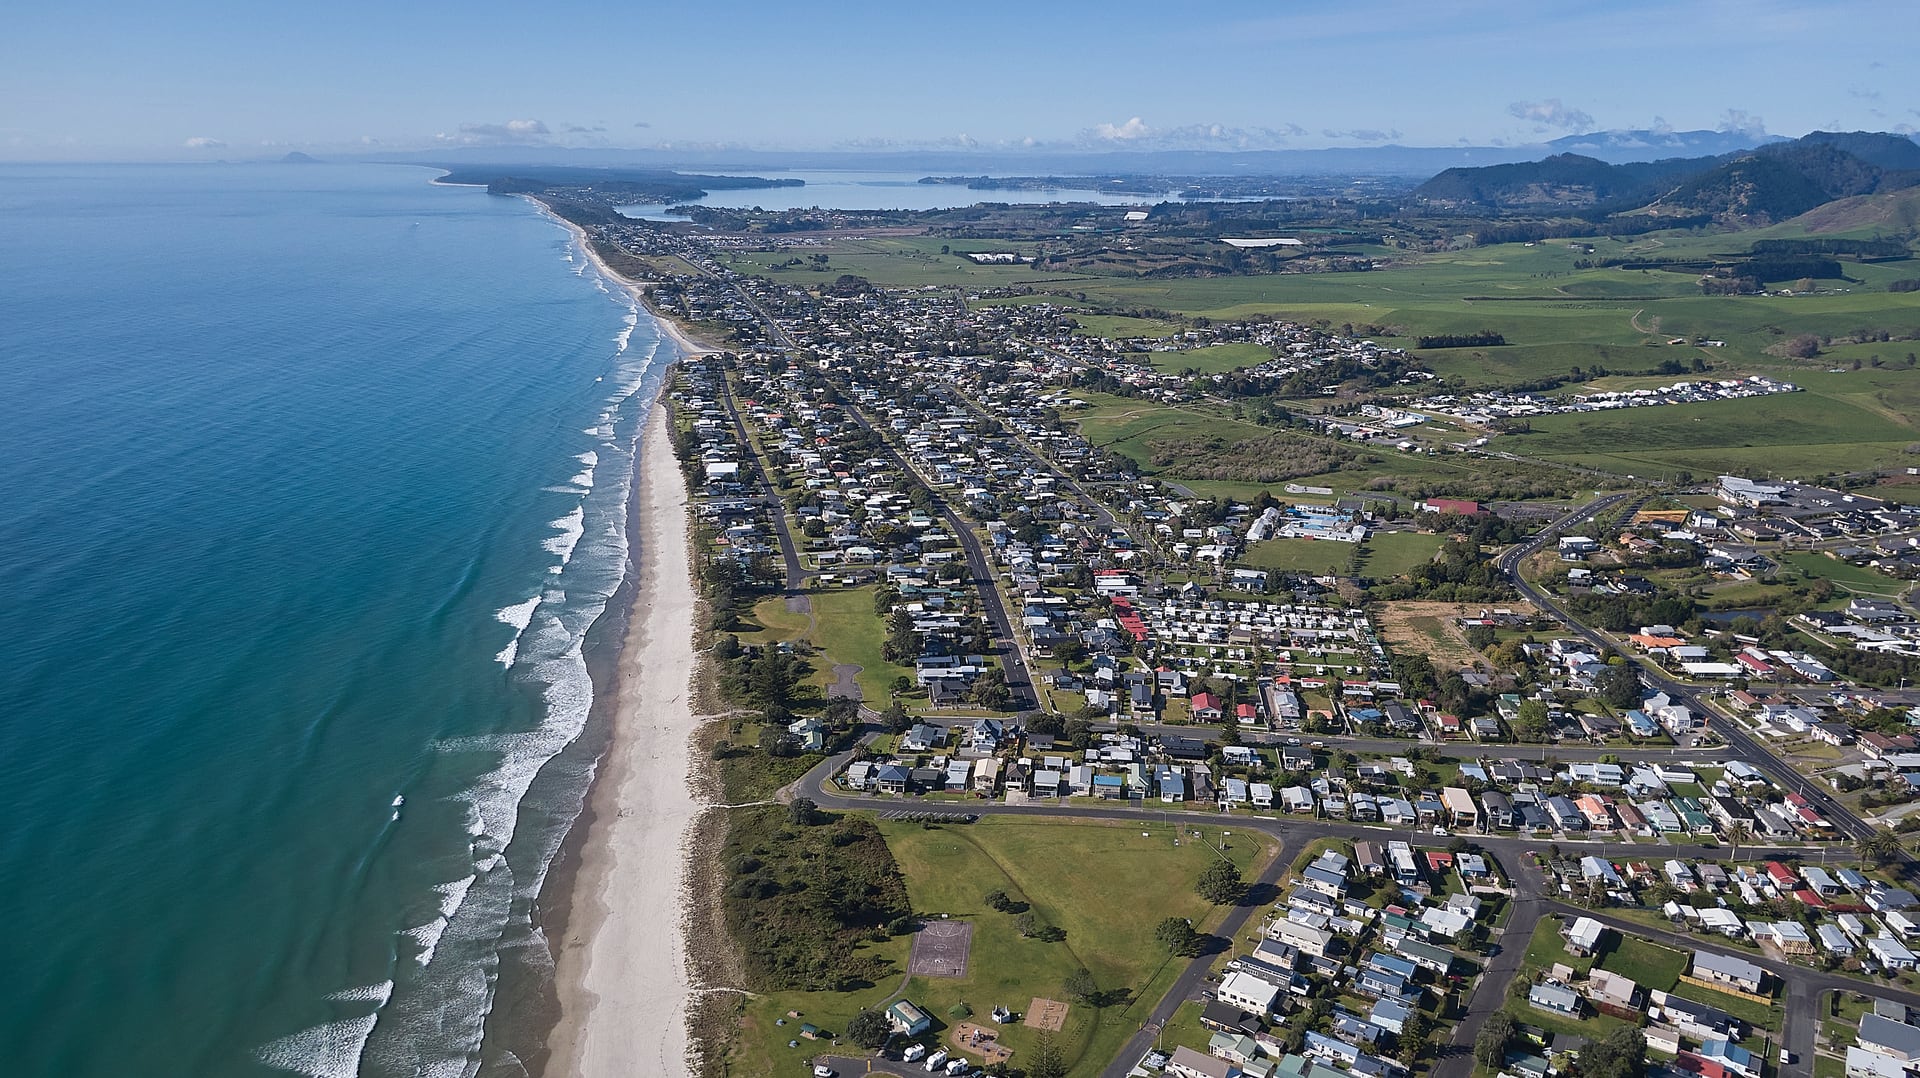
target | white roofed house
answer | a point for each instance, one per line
(1585, 935)
(1890, 952)
(1248, 992)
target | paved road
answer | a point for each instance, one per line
(1188, 985)
(1012, 659)
(796, 573)
(1741, 745)
(1490, 994)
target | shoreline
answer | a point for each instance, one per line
(621, 975)
(684, 336)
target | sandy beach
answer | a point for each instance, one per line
(621, 972)
(688, 344)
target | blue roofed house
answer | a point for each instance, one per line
(1327, 882)
(1731, 1056)
(1390, 1014)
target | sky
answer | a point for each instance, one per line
(195, 80)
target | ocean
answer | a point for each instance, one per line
(315, 480)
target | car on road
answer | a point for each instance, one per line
(1293, 741)
(821, 1070)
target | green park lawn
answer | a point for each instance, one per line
(1107, 887)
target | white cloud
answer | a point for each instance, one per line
(1135, 128)
(510, 131)
(202, 142)
(1551, 114)
(1196, 136)
(1742, 122)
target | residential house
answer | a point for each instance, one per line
(1728, 970)
(1248, 992)
(1888, 1037)
(1554, 998)
(1189, 1063)
(1585, 936)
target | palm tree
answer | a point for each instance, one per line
(1880, 847)
(1738, 832)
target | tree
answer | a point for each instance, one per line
(960, 1011)
(842, 711)
(1177, 936)
(1046, 1060)
(1881, 847)
(997, 900)
(1490, 1047)
(1619, 686)
(1221, 884)
(1079, 986)
(1027, 924)
(989, 690)
(1620, 1054)
(896, 718)
(803, 812)
(1738, 832)
(1530, 721)
(869, 1029)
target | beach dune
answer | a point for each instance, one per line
(621, 971)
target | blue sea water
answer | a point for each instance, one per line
(315, 478)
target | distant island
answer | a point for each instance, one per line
(620, 184)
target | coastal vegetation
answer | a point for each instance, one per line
(807, 893)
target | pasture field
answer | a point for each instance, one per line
(1553, 314)
(1800, 435)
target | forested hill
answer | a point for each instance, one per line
(1784, 182)
(640, 185)
(1562, 181)
(1773, 182)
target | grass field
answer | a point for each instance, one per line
(1213, 359)
(848, 631)
(1854, 578)
(1391, 554)
(1316, 556)
(1553, 315)
(1106, 886)
(1800, 434)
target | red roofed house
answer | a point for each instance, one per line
(1206, 707)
